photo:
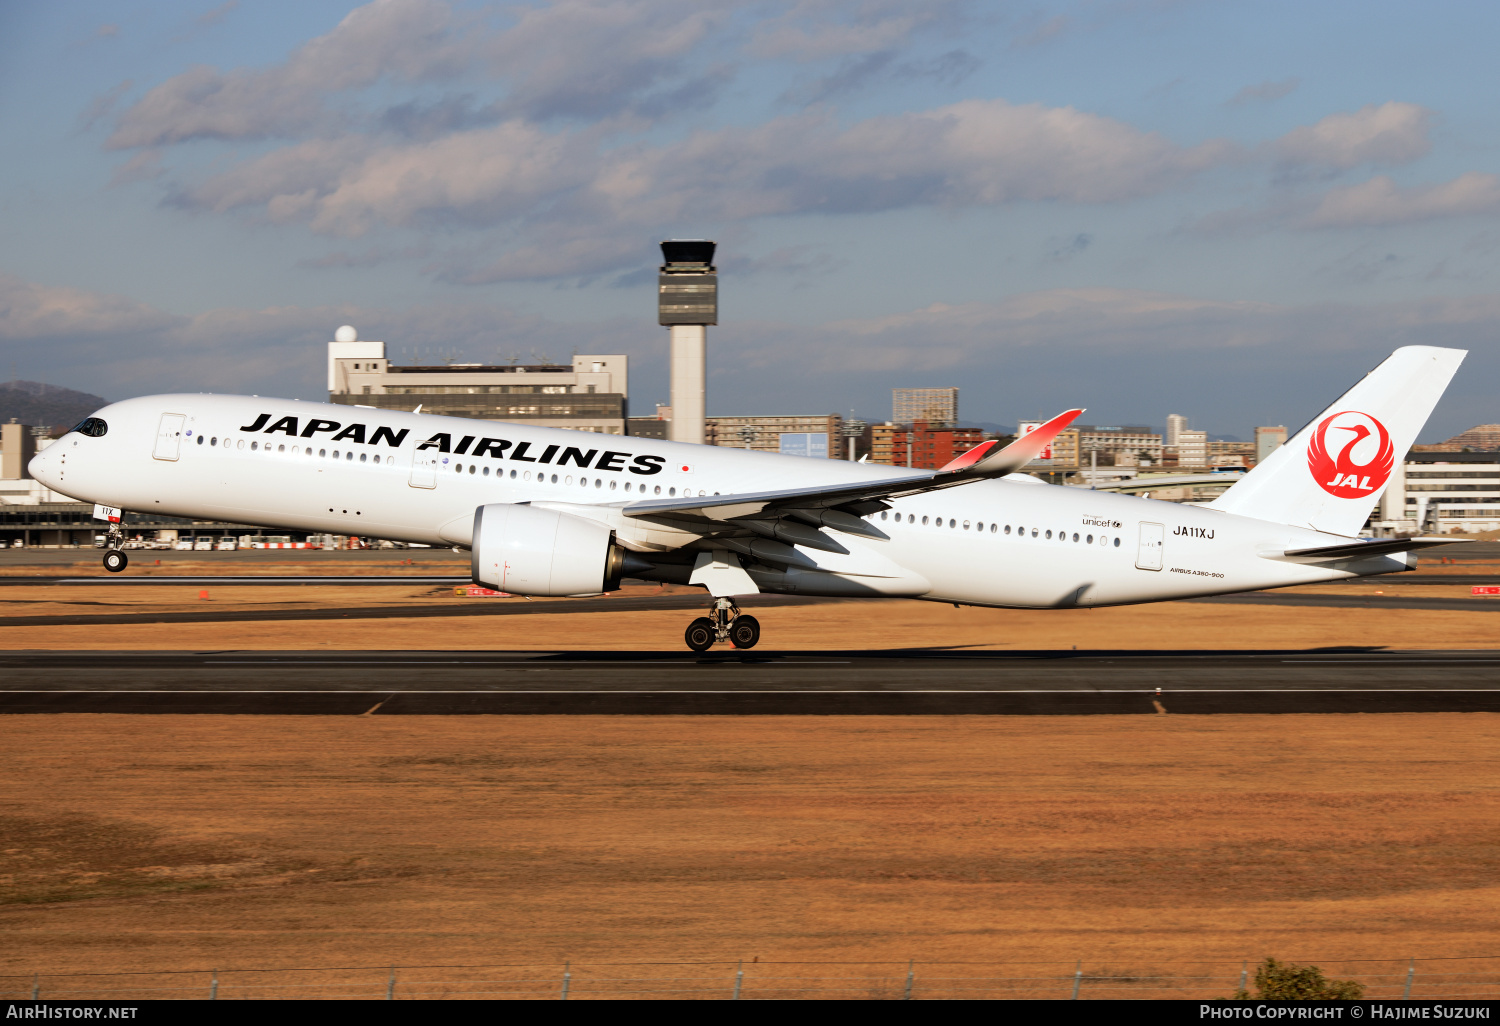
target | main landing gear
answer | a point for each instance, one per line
(724, 622)
(114, 559)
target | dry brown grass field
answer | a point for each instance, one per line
(194, 841)
(1132, 842)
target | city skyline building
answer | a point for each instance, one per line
(588, 394)
(920, 445)
(1176, 423)
(932, 406)
(1267, 440)
(1125, 445)
(764, 433)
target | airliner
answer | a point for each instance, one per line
(551, 512)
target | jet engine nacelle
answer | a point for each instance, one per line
(530, 551)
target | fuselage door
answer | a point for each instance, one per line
(424, 466)
(1148, 555)
(169, 436)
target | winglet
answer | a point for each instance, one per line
(988, 460)
(973, 456)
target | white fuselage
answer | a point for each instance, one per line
(1011, 542)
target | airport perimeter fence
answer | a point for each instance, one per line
(1389, 979)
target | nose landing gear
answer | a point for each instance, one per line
(114, 559)
(724, 622)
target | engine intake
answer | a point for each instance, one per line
(529, 551)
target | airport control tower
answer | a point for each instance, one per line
(688, 302)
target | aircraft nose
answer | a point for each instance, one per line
(42, 468)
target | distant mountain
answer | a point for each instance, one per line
(34, 402)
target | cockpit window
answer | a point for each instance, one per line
(92, 426)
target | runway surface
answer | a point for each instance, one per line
(933, 681)
(453, 607)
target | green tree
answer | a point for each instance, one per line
(1286, 981)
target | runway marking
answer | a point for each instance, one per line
(501, 662)
(1377, 661)
(745, 691)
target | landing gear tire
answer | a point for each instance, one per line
(700, 634)
(115, 561)
(744, 632)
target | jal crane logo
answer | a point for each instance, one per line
(1350, 455)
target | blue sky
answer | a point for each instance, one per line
(1226, 210)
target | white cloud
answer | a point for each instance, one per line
(406, 40)
(34, 312)
(1390, 133)
(572, 58)
(564, 185)
(817, 29)
(1381, 201)
(594, 58)
(1267, 90)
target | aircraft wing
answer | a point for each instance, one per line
(842, 506)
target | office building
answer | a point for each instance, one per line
(1176, 423)
(1119, 446)
(1231, 454)
(935, 407)
(17, 446)
(588, 394)
(1192, 447)
(1268, 440)
(1441, 493)
(920, 445)
(764, 433)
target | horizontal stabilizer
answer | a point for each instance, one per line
(1358, 550)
